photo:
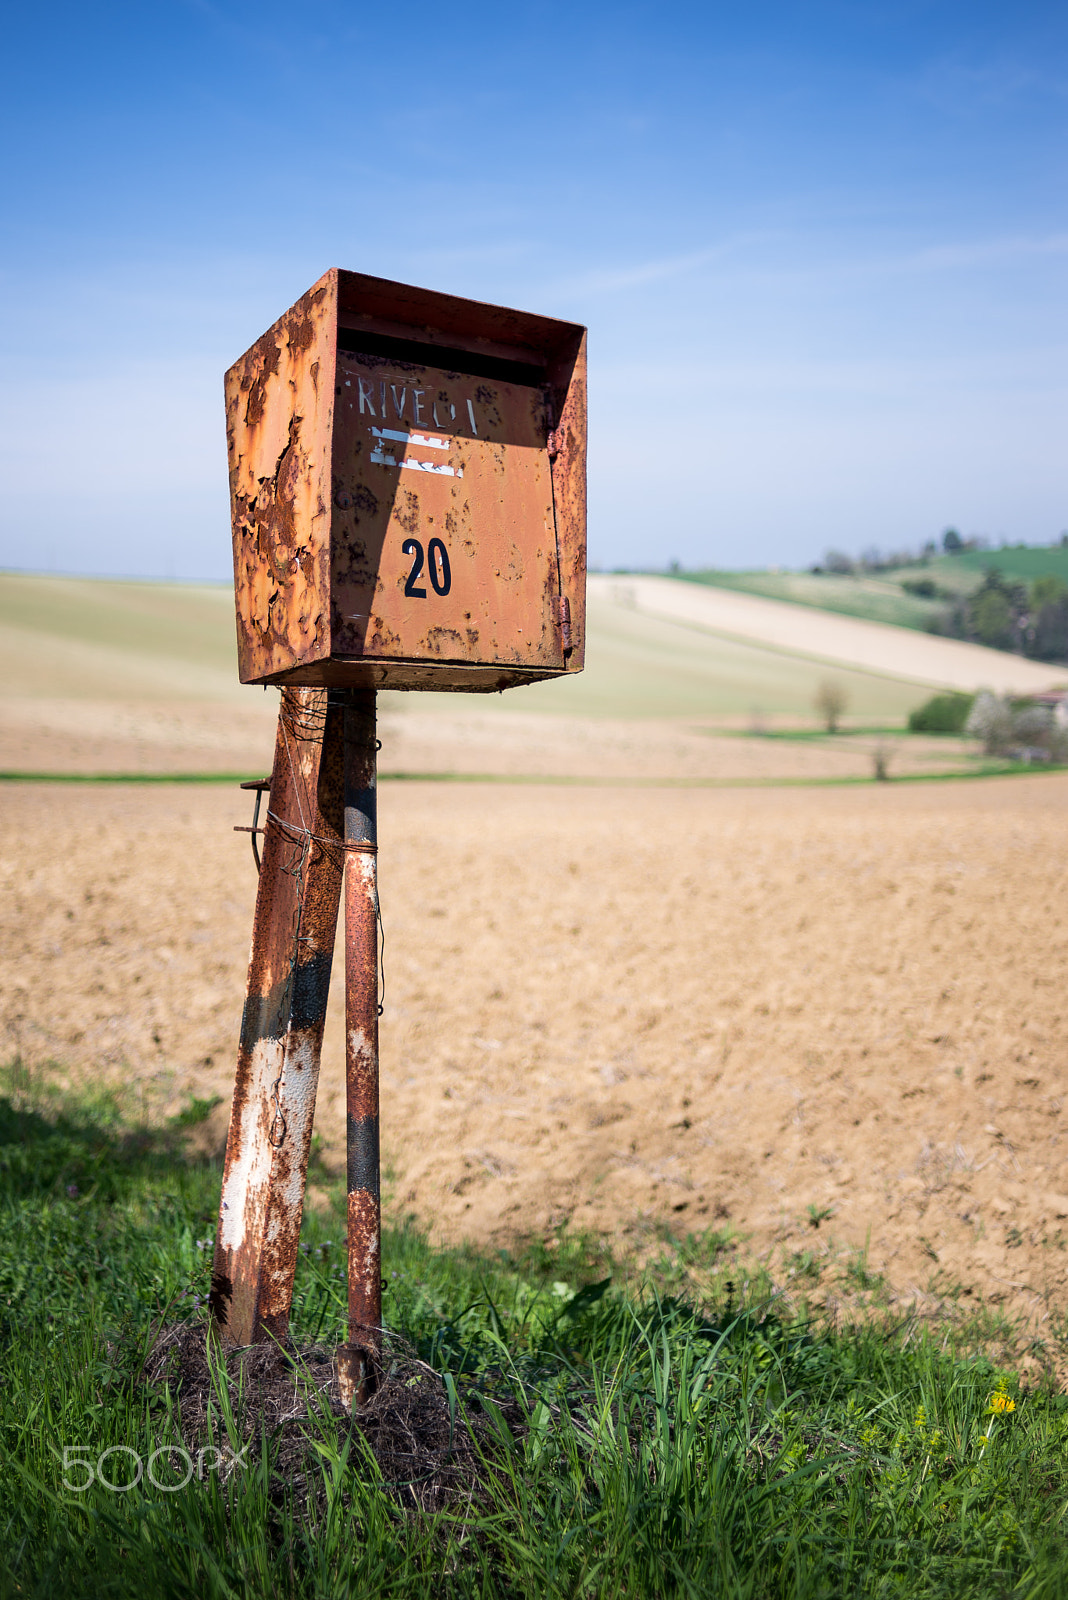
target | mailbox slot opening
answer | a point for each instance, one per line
(473, 363)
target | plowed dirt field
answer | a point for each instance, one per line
(748, 1010)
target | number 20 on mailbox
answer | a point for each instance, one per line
(408, 492)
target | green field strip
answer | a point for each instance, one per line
(559, 780)
(125, 777)
(813, 735)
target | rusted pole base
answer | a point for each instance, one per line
(357, 1374)
(358, 1361)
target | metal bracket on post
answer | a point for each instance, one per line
(262, 786)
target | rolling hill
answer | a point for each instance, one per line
(883, 596)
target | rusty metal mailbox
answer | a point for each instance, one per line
(408, 487)
(408, 492)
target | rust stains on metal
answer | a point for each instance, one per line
(567, 389)
(408, 494)
(404, 464)
(278, 415)
(358, 1361)
(477, 539)
(320, 838)
(282, 1025)
(561, 608)
(358, 1370)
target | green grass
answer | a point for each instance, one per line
(978, 767)
(1021, 562)
(662, 1447)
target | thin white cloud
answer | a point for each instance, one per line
(606, 280)
(781, 257)
(981, 252)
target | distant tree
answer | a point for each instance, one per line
(838, 562)
(991, 620)
(952, 541)
(991, 721)
(943, 713)
(1047, 633)
(997, 612)
(1021, 728)
(1046, 588)
(953, 621)
(830, 702)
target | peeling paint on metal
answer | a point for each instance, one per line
(248, 1177)
(341, 568)
(361, 1039)
(282, 1025)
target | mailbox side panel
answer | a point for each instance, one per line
(569, 494)
(279, 421)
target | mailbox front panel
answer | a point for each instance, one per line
(442, 525)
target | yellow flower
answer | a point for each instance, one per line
(1000, 1404)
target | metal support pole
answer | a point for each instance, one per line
(358, 1361)
(282, 1026)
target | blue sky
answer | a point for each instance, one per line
(821, 250)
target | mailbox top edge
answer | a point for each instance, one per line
(384, 305)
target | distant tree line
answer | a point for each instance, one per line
(875, 560)
(1022, 729)
(953, 543)
(1031, 620)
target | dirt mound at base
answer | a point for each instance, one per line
(431, 1454)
